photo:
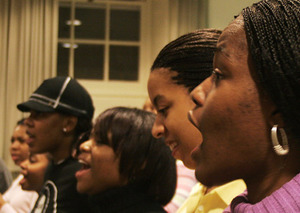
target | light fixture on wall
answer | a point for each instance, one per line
(68, 45)
(74, 22)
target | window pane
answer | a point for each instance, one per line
(89, 61)
(62, 60)
(92, 23)
(125, 24)
(123, 64)
(64, 16)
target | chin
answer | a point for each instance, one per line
(82, 188)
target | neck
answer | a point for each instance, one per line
(64, 149)
(281, 171)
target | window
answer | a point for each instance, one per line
(100, 40)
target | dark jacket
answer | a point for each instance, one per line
(124, 200)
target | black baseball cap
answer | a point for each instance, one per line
(60, 94)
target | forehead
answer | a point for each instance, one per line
(233, 39)
(160, 80)
(162, 75)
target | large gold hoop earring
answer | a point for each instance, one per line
(279, 150)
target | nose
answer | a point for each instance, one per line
(28, 121)
(158, 129)
(15, 145)
(199, 94)
(24, 164)
(85, 146)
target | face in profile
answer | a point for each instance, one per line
(100, 168)
(172, 102)
(45, 131)
(33, 171)
(230, 115)
(19, 148)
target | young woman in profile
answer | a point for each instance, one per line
(179, 67)
(248, 110)
(33, 171)
(124, 168)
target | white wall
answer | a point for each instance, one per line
(222, 12)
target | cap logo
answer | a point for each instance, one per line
(62, 91)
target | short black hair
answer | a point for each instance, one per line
(145, 161)
(273, 33)
(190, 56)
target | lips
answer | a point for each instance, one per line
(15, 157)
(85, 168)
(192, 119)
(22, 181)
(195, 152)
(173, 145)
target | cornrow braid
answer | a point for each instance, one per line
(273, 33)
(191, 56)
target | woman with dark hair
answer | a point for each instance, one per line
(60, 111)
(125, 169)
(248, 110)
(179, 67)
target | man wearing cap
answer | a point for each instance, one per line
(60, 111)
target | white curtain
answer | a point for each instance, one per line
(187, 16)
(28, 32)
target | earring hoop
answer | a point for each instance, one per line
(279, 150)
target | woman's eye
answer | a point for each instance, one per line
(22, 140)
(216, 75)
(163, 111)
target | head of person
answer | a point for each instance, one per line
(255, 86)
(179, 67)
(33, 171)
(19, 149)
(148, 106)
(122, 152)
(60, 111)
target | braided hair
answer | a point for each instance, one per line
(191, 56)
(273, 33)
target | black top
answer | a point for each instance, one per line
(124, 200)
(59, 191)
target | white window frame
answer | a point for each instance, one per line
(116, 88)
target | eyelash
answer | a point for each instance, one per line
(216, 76)
(163, 110)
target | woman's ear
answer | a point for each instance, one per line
(70, 123)
(276, 118)
(272, 114)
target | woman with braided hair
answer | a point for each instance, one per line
(248, 109)
(179, 67)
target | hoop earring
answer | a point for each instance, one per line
(279, 150)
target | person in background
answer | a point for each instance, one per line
(148, 106)
(186, 179)
(60, 111)
(15, 199)
(124, 168)
(5, 177)
(248, 109)
(179, 67)
(33, 171)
